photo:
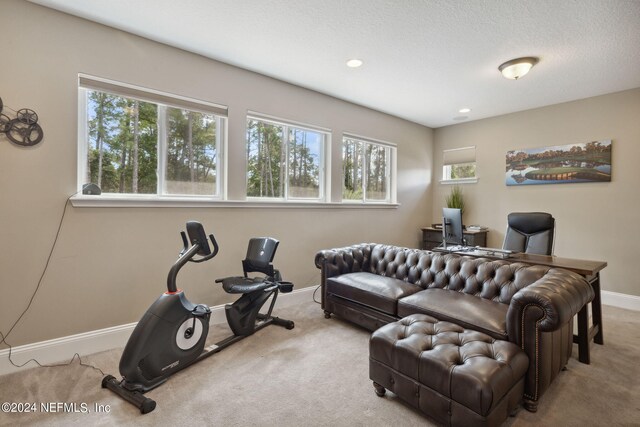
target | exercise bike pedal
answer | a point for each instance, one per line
(201, 311)
(285, 287)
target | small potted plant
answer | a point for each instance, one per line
(455, 199)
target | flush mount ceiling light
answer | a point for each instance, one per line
(516, 68)
(354, 63)
(464, 110)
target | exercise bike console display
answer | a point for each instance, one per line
(172, 333)
(197, 236)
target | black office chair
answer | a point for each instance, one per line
(530, 232)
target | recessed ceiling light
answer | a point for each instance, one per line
(464, 110)
(354, 63)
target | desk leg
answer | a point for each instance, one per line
(583, 335)
(596, 310)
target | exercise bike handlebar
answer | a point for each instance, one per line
(216, 248)
(199, 246)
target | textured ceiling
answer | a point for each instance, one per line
(423, 59)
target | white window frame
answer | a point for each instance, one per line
(163, 100)
(458, 157)
(323, 178)
(391, 172)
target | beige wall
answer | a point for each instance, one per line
(111, 263)
(593, 220)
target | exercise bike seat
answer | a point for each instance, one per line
(244, 285)
(260, 254)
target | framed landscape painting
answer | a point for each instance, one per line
(562, 164)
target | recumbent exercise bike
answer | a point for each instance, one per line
(172, 333)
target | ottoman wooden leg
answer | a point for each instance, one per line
(530, 405)
(380, 391)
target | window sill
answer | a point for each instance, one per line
(459, 181)
(118, 201)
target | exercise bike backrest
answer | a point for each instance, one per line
(260, 254)
(197, 244)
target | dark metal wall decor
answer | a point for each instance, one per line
(24, 129)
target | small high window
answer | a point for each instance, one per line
(459, 165)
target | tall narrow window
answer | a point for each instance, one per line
(139, 141)
(305, 151)
(459, 164)
(192, 153)
(122, 143)
(352, 167)
(367, 170)
(284, 161)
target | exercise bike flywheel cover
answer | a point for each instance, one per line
(182, 341)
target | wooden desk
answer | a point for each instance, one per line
(590, 270)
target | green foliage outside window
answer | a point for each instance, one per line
(119, 128)
(352, 166)
(283, 161)
(123, 138)
(464, 170)
(363, 158)
(191, 152)
(264, 159)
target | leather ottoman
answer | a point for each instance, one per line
(457, 376)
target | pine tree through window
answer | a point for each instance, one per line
(366, 170)
(139, 142)
(284, 161)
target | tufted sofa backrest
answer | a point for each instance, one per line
(494, 280)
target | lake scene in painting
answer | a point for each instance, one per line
(563, 164)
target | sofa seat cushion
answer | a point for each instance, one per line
(378, 292)
(468, 311)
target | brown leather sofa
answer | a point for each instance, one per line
(532, 306)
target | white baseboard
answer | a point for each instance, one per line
(62, 349)
(630, 302)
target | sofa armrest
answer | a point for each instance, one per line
(547, 304)
(334, 262)
(539, 321)
(350, 259)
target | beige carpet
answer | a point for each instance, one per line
(317, 375)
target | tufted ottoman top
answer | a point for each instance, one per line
(466, 366)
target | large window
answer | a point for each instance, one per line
(367, 170)
(284, 161)
(459, 165)
(135, 141)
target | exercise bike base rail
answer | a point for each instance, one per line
(146, 405)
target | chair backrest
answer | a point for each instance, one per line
(260, 254)
(530, 232)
